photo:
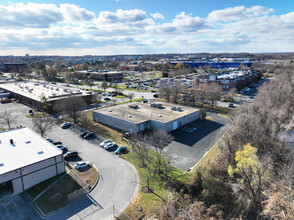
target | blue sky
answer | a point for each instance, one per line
(99, 27)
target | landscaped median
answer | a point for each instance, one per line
(59, 191)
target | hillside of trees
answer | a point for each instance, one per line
(253, 178)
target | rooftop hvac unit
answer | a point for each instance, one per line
(175, 108)
(65, 90)
(57, 89)
(159, 116)
(129, 116)
(156, 105)
(134, 106)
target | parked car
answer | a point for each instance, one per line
(231, 105)
(65, 125)
(153, 91)
(88, 135)
(31, 112)
(105, 142)
(107, 99)
(49, 139)
(81, 164)
(121, 149)
(155, 95)
(84, 133)
(70, 154)
(56, 143)
(109, 145)
(61, 147)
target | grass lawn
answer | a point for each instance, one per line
(149, 202)
(57, 196)
(38, 114)
(37, 189)
(91, 175)
(210, 156)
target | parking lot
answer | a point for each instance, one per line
(194, 140)
(118, 180)
(18, 207)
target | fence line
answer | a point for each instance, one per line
(86, 187)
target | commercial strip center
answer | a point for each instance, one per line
(135, 118)
(32, 93)
(26, 159)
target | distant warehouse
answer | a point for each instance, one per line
(140, 117)
(32, 93)
(26, 159)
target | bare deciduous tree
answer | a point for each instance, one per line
(131, 95)
(166, 92)
(43, 124)
(140, 147)
(97, 99)
(6, 118)
(73, 105)
(213, 93)
(114, 100)
(104, 85)
(159, 139)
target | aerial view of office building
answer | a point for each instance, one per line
(31, 93)
(26, 159)
(141, 117)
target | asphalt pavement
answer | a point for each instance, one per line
(118, 179)
(194, 140)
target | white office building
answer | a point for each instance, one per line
(26, 159)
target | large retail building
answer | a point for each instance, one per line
(26, 159)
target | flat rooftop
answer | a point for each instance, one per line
(35, 90)
(145, 112)
(28, 148)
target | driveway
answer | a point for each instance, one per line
(194, 140)
(117, 184)
(118, 180)
(18, 207)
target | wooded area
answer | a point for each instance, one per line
(253, 178)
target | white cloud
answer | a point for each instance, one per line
(29, 15)
(237, 13)
(228, 14)
(122, 16)
(73, 13)
(157, 15)
(42, 15)
(70, 29)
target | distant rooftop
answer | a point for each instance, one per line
(26, 147)
(36, 90)
(145, 112)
